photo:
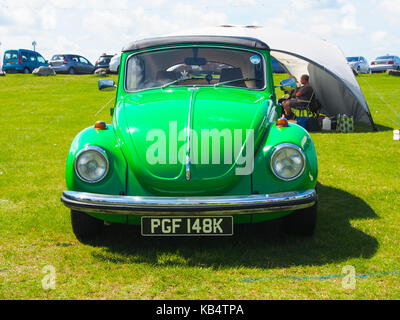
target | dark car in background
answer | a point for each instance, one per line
(71, 63)
(103, 62)
(22, 60)
(384, 63)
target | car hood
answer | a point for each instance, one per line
(156, 126)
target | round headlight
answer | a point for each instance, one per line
(287, 162)
(91, 164)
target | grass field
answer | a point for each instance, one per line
(358, 222)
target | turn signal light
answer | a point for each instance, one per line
(282, 122)
(100, 125)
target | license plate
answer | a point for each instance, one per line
(10, 62)
(381, 62)
(187, 226)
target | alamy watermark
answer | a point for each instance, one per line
(349, 280)
(49, 280)
(212, 147)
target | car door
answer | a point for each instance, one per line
(76, 64)
(25, 60)
(32, 61)
(363, 65)
(40, 61)
(86, 67)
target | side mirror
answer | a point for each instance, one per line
(288, 85)
(107, 85)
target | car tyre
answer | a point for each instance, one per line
(71, 71)
(302, 222)
(27, 71)
(85, 227)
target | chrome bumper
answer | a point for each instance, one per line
(224, 205)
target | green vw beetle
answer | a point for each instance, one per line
(196, 145)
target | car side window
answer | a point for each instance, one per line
(32, 58)
(24, 57)
(75, 59)
(41, 59)
(83, 60)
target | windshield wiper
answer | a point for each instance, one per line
(178, 80)
(236, 80)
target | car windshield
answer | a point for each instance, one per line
(352, 59)
(203, 66)
(104, 59)
(385, 57)
(11, 55)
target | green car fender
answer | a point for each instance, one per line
(114, 182)
(264, 180)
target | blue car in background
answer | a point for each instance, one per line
(22, 60)
(71, 64)
(276, 66)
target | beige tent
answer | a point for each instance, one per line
(332, 79)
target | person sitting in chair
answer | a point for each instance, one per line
(299, 98)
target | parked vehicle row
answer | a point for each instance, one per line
(25, 61)
(380, 64)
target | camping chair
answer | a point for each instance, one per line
(314, 107)
(310, 106)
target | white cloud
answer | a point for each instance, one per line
(379, 36)
(91, 27)
(48, 18)
(349, 19)
(392, 10)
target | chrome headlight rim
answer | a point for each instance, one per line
(290, 146)
(102, 152)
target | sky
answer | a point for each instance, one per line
(368, 28)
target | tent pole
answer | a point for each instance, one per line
(374, 128)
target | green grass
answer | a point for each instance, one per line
(358, 215)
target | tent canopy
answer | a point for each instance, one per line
(332, 79)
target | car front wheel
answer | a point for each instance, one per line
(302, 222)
(84, 226)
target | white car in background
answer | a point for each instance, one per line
(384, 63)
(114, 63)
(358, 64)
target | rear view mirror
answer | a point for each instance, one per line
(107, 85)
(195, 61)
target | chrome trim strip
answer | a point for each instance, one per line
(188, 129)
(137, 205)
